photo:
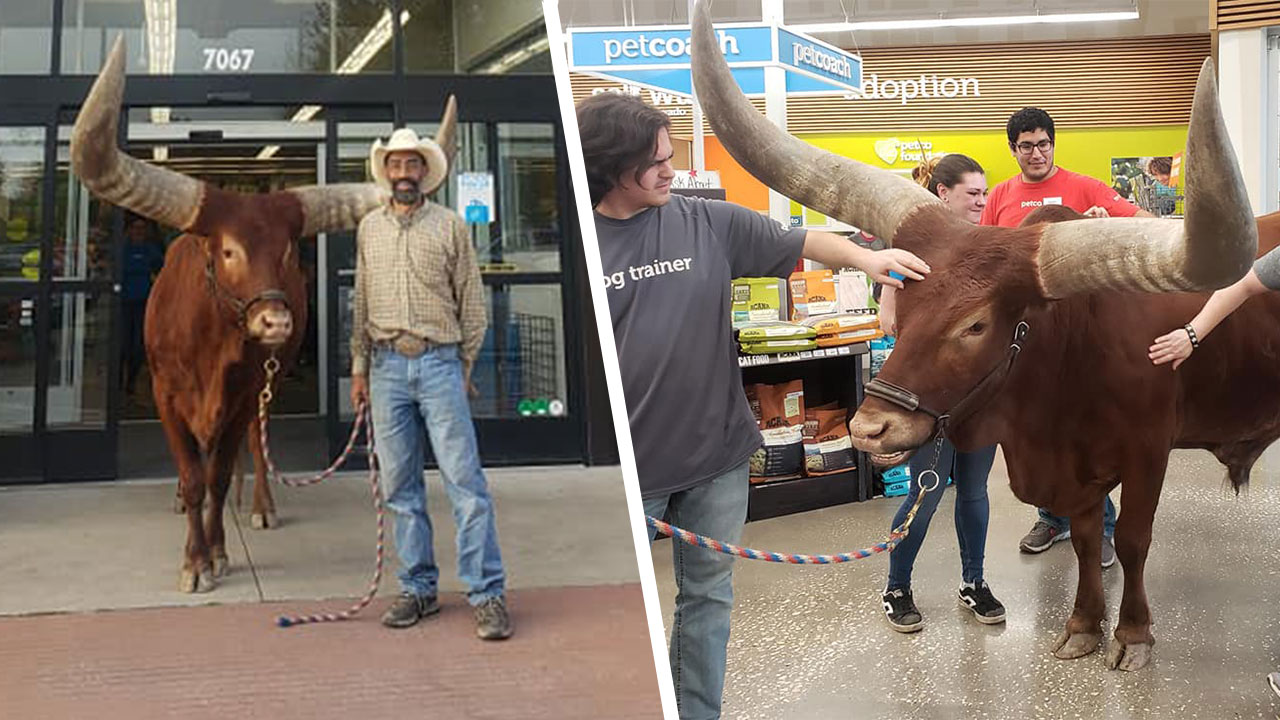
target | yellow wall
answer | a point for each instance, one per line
(1088, 151)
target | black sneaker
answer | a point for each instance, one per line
(986, 608)
(408, 609)
(900, 610)
(493, 622)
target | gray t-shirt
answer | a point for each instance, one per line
(1268, 269)
(668, 273)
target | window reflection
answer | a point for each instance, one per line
(21, 188)
(26, 27)
(230, 36)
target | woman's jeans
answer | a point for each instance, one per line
(969, 473)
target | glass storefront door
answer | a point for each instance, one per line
(507, 183)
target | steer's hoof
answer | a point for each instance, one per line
(1128, 657)
(1076, 645)
(193, 582)
(220, 564)
(264, 521)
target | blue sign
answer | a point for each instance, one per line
(830, 63)
(623, 47)
(658, 57)
(476, 212)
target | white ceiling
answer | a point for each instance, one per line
(1157, 17)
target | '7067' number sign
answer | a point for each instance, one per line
(228, 60)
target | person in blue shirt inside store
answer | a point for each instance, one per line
(961, 184)
(143, 257)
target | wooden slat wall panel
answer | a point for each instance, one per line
(1241, 14)
(1103, 83)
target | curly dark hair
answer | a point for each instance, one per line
(619, 133)
(1160, 165)
(1028, 119)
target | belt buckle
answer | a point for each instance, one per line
(410, 346)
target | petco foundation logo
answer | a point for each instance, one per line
(928, 86)
(891, 150)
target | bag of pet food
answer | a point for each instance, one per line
(854, 290)
(779, 410)
(881, 349)
(827, 445)
(849, 338)
(756, 331)
(759, 300)
(788, 345)
(832, 324)
(813, 292)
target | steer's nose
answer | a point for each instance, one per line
(862, 427)
(274, 326)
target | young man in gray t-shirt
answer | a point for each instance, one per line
(668, 262)
(1176, 346)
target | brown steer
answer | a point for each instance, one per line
(1081, 408)
(231, 294)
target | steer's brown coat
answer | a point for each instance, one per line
(1083, 409)
(206, 370)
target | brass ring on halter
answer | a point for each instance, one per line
(936, 481)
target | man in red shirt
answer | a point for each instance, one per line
(1040, 183)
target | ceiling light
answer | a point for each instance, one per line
(941, 22)
(515, 57)
(369, 46)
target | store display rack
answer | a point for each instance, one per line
(827, 373)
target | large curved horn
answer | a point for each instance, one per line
(445, 136)
(869, 198)
(162, 195)
(327, 208)
(1212, 247)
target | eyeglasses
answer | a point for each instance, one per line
(1025, 148)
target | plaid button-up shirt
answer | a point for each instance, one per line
(416, 274)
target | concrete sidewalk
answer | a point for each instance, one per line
(88, 576)
(119, 545)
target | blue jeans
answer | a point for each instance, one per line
(704, 580)
(969, 473)
(1064, 524)
(413, 399)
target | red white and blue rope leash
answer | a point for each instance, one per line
(895, 536)
(361, 421)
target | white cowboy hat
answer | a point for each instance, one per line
(436, 153)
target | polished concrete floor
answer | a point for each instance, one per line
(812, 642)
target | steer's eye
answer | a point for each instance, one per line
(976, 329)
(228, 255)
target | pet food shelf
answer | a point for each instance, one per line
(827, 373)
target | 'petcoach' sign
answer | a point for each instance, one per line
(658, 58)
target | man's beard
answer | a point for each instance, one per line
(406, 192)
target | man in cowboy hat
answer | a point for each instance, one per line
(418, 322)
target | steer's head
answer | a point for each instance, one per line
(961, 317)
(956, 326)
(249, 241)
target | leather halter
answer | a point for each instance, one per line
(241, 307)
(909, 401)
